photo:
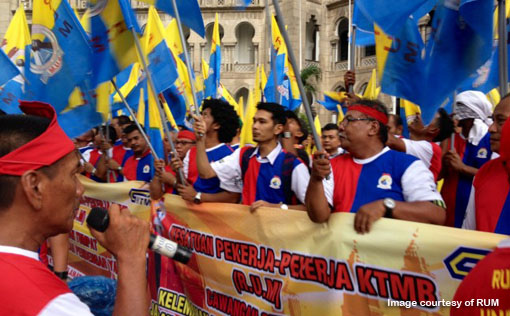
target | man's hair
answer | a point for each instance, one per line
(123, 120)
(379, 106)
(2, 113)
(445, 125)
(131, 128)
(398, 119)
(290, 115)
(277, 111)
(112, 134)
(330, 127)
(16, 131)
(225, 116)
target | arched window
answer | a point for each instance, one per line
(243, 92)
(245, 50)
(312, 40)
(208, 36)
(340, 88)
(343, 39)
(369, 50)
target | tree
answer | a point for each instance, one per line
(311, 77)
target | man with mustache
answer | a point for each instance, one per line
(39, 194)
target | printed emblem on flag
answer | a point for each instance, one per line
(482, 153)
(276, 183)
(385, 181)
(46, 55)
(146, 169)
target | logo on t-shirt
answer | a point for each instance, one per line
(275, 183)
(385, 181)
(482, 153)
(146, 169)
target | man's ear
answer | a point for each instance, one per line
(33, 184)
(432, 131)
(374, 128)
(215, 126)
(278, 129)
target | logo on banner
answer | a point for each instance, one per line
(385, 181)
(460, 262)
(140, 197)
(146, 169)
(46, 55)
(482, 153)
(275, 183)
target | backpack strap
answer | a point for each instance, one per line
(245, 154)
(287, 168)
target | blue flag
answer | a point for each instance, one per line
(10, 93)
(9, 70)
(390, 16)
(59, 56)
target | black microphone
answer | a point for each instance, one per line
(99, 220)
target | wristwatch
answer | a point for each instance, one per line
(287, 135)
(119, 168)
(198, 198)
(389, 205)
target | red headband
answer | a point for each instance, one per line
(381, 117)
(187, 135)
(44, 150)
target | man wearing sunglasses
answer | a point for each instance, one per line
(371, 180)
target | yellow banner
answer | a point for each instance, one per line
(274, 262)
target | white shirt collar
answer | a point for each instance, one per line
(214, 147)
(272, 155)
(370, 159)
(19, 251)
(505, 243)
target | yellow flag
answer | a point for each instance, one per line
(240, 108)
(140, 115)
(17, 36)
(205, 69)
(411, 110)
(130, 84)
(103, 92)
(318, 126)
(169, 115)
(247, 130)
(382, 46)
(371, 90)
(227, 96)
(340, 115)
(173, 40)
(215, 35)
(85, 21)
(494, 97)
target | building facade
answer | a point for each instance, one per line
(318, 30)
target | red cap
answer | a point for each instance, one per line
(44, 150)
(187, 135)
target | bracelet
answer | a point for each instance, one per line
(94, 171)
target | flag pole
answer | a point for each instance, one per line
(273, 53)
(140, 128)
(352, 50)
(186, 58)
(292, 59)
(161, 111)
(503, 58)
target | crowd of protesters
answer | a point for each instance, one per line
(365, 167)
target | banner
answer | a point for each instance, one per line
(274, 262)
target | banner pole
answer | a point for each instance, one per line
(503, 51)
(292, 59)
